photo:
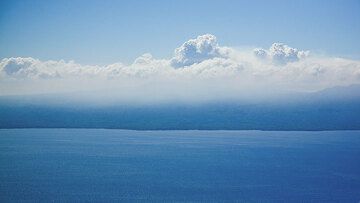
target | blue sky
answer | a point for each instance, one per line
(104, 32)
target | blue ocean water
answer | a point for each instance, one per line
(166, 166)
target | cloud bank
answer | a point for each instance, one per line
(200, 69)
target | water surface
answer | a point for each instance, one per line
(202, 166)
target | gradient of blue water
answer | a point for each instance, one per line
(205, 166)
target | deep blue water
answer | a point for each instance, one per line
(157, 166)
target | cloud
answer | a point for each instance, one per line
(201, 69)
(196, 50)
(260, 53)
(280, 54)
(22, 67)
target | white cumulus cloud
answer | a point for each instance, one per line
(197, 50)
(280, 54)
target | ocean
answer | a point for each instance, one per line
(101, 165)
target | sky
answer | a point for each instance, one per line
(190, 51)
(102, 32)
